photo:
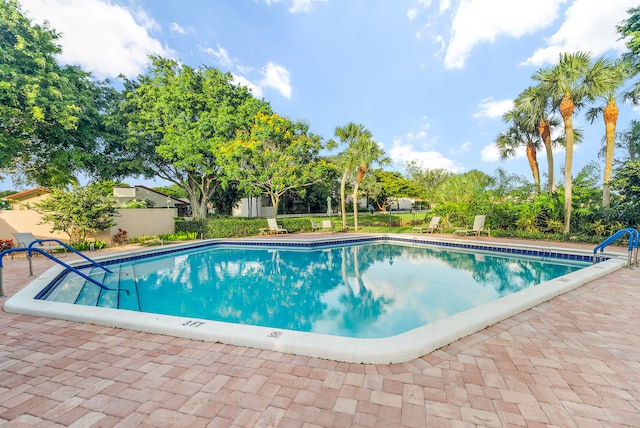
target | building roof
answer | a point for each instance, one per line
(20, 195)
(178, 200)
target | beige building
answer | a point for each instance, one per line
(153, 198)
(137, 222)
(23, 200)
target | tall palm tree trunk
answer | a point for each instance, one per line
(610, 114)
(545, 133)
(532, 157)
(362, 170)
(566, 111)
(343, 202)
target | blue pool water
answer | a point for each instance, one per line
(367, 290)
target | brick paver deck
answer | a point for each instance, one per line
(571, 362)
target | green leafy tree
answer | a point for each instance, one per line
(570, 82)
(79, 212)
(629, 141)
(626, 181)
(463, 188)
(427, 180)
(273, 157)
(383, 187)
(172, 190)
(629, 29)
(51, 117)
(181, 118)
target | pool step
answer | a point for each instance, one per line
(90, 293)
(123, 292)
(68, 290)
(128, 295)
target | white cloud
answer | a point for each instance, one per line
(478, 21)
(493, 109)
(297, 6)
(273, 75)
(416, 146)
(490, 153)
(221, 56)
(277, 77)
(402, 152)
(101, 37)
(588, 27)
(412, 13)
(176, 28)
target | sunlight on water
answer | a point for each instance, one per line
(366, 291)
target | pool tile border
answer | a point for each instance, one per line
(324, 242)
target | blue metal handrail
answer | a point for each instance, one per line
(69, 248)
(634, 243)
(44, 252)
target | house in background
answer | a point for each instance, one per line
(23, 200)
(256, 206)
(153, 198)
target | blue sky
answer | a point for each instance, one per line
(430, 79)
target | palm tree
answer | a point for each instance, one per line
(570, 82)
(535, 104)
(348, 135)
(520, 133)
(616, 74)
(365, 151)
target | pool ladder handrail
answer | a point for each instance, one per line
(634, 243)
(42, 250)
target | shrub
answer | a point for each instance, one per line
(86, 245)
(6, 244)
(179, 236)
(133, 204)
(120, 238)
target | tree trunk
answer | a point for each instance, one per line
(566, 111)
(343, 202)
(532, 157)
(362, 170)
(610, 118)
(544, 128)
(275, 201)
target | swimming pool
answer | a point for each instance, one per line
(350, 290)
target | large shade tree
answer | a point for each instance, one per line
(572, 81)
(181, 117)
(273, 157)
(53, 122)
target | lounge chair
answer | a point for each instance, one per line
(274, 228)
(478, 227)
(431, 227)
(24, 239)
(327, 226)
(315, 226)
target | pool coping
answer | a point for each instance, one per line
(395, 349)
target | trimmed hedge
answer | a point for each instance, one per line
(233, 227)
